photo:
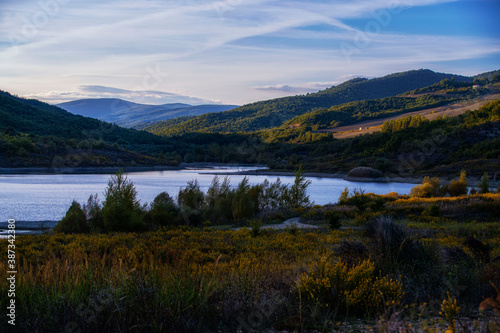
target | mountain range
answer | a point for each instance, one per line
(275, 112)
(135, 115)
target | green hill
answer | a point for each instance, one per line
(409, 146)
(272, 113)
(33, 133)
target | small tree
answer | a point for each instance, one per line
(243, 207)
(344, 196)
(121, 209)
(190, 200)
(297, 194)
(484, 185)
(74, 221)
(219, 200)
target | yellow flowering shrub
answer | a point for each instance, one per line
(449, 311)
(356, 289)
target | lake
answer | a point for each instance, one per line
(48, 197)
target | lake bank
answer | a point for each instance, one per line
(471, 181)
(126, 169)
(344, 176)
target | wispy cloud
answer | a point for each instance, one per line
(232, 50)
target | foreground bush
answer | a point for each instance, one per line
(224, 281)
(354, 290)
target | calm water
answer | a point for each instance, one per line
(48, 197)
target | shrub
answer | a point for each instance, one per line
(352, 252)
(333, 219)
(429, 188)
(458, 187)
(364, 201)
(349, 290)
(391, 241)
(74, 221)
(344, 196)
(481, 251)
(433, 210)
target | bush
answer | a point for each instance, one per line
(391, 241)
(429, 188)
(364, 201)
(349, 290)
(74, 221)
(458, 188)
(333, 219)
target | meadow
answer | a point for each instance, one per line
(397, 263)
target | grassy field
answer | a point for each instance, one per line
(396, 264)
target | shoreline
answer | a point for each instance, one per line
(410, 180)
(263, 171)
(82, 170)
(112, 169)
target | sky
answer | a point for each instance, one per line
(233, 51)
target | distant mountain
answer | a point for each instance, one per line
(129, 114)
(273, 113)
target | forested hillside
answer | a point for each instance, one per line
(272, 113)
(33, 133)
(408, 146)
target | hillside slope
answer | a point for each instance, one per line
(33, 133)
(272, 113)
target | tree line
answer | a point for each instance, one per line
(121, 210)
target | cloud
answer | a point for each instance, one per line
(137, 96)
(299, 89)
(237, 51)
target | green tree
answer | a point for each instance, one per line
(190, 200)
(219, 200)
(297, 194)
(93, 212)
(74, 221)
(243, 207)
(484, 185)
(121, 209)
(163, 211)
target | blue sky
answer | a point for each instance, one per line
(233, 51)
